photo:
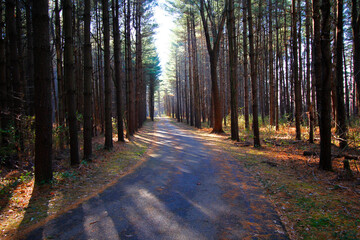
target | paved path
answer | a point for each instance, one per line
(186, 190)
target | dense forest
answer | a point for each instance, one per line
(261, 134)
(76, 69)
(71, 70)
(269, 62)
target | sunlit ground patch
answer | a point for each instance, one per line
(27, 206)
(312, 204)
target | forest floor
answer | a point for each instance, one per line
(312, 204)
(23, 206)
(187, 189)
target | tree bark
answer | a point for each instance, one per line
(29, 61)
(233, 67)
(60, 80)
(295, 73)
(261, 62)
(287, 95)
(191, 85)
(70, 82)
(355, 22)
(87, 82)
(277, 69)
(213, 50)
(118, 80)
(79, 66)
(186, 88)
(253, 79)
(316, 52)
(325, 108)
(347, 97)
(138, 65)
(13, 73)
(298, 88)
(100, 79)
(42, 81)
(107, 76)
(246, 79)
(197, 109)
(21, 86)
(223, 67)
(151, 98)
(177, 88)
(341, 113)
(308, 74)
(130, 108)
(4, 121)
(271, 69)
(159, 104)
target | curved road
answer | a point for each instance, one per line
(186, 190)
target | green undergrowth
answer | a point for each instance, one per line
(311, 204)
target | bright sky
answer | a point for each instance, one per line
(163, 34)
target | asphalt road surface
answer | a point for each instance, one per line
(186, 190)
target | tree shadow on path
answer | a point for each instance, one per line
(181, 192)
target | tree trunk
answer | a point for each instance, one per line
(100, 69)
(79, 66)
(355, 23)
(70, 80)
(177, 89)
(233, 67)
(4, 121)
(13, 73)
(21, 86)
(271, 69)
(261, 62)
(287, 95)
(297, 84)
(29, 61)
(246, 81)
(216, 99)
(138, 64)
(186, 88)
(87, 82)
(253, 79)
(128, 70)
(191, 89)
(347, 97)
(42, 80)
(172, 107)
(107, 76)
(341, 113)
(159, 104)
(197, 110)
(151, 98)
(325, 87)
(316, 52)
(277, 63)
(223, 67)
(60, 80)
(213, 50)
(354, 94)
(117, 60)
(308, 74)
